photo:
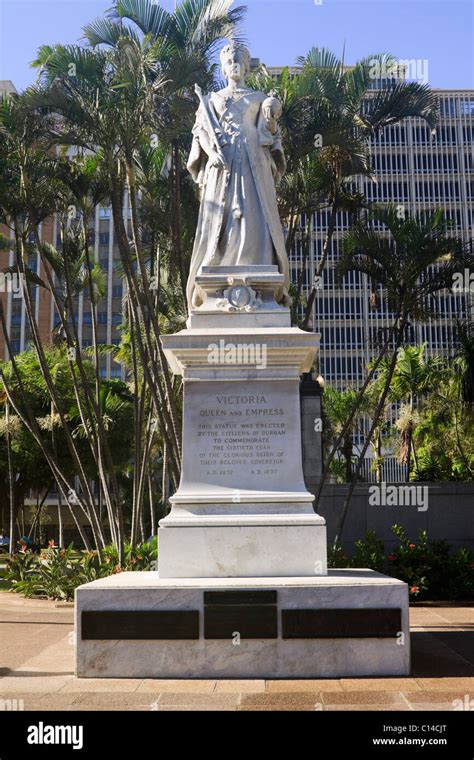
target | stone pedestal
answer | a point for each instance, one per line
(242, 508)
(242, 589)
(346, 624)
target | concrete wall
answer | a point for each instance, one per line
(449, 514)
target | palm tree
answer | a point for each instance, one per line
(107, 84)
(184, 44)
(337, 407)
(29, 194)
(415, 376)
(360, 113)
(135, 82)
(464, 361)
(444, 435)
(411, 260)
(308, 120)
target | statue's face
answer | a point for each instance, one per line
(234, 66)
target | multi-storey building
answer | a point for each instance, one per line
(109, 308)
(418, 170)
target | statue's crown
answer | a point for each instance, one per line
(232, 47)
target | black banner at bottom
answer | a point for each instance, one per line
(124, 734)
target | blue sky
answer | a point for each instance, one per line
(439, 31)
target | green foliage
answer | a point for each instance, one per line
(337, 557)
(116, 406)
(139, 557)
(409, 561)
(400, 258)
(444, 437)
(431, 569)
(369, 552)
(337, 408)
(19, 567)
(56, 573)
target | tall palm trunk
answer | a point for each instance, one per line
(90, 411)
(164, 477)
(377, 414)
(322, 263)
(151, 501)
(350, 419)
(51, 385)
(58, 490)
(144, 466)
(11, 482)
(150, 311)
(138, 428)
(175, 221)
(306, 246)
(159, 397)
(60, 524)
(103, 443)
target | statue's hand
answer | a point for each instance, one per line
(216, 160)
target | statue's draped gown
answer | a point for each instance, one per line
(238, 221)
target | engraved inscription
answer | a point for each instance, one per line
(244, 431)
(243, 436)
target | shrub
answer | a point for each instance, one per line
(56, 573)
(337, 557)
(431, 569)
(369, 552)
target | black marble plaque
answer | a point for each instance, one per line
(140, 624)
(240, 597)
(341, 623)
(249, 621)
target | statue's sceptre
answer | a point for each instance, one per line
(213, 128)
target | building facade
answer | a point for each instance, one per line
(418, 171)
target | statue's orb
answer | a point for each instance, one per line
(239, 296)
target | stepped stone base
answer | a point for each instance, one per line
(345, 624)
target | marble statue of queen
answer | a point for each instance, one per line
(237, 158)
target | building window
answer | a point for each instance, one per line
(467, 107)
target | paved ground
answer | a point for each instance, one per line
(36, 656)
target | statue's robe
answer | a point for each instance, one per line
(238, 220)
